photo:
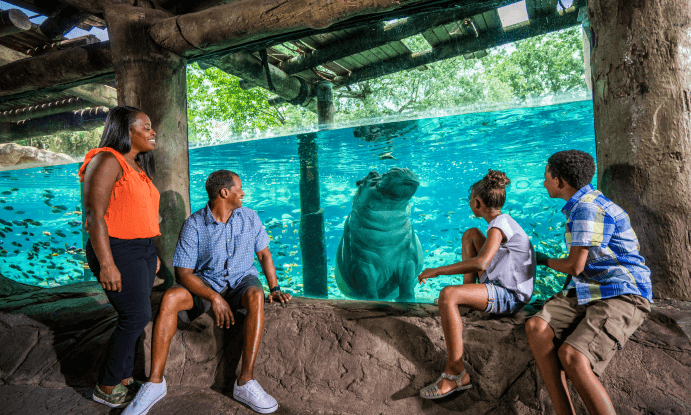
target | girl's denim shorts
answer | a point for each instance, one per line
(502, 301)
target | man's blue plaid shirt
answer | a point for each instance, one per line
(614, 266)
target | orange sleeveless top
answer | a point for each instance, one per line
(133, 209)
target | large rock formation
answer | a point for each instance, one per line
(343, 357)
(12, 154)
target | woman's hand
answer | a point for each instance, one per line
(427, 273)
(158, 264)
(110, 278)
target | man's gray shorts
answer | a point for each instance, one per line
(232, 296)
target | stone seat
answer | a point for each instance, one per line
(326, 356)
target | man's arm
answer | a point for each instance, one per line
(571, 265)
(267, 263)
(187, 278)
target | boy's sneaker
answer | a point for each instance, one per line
(252, 394)
(148, 395)
(118, 398)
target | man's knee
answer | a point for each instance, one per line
(536, 327)
(253, 298)
(176, 299)
(571, 358)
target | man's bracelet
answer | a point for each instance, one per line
(276, 288)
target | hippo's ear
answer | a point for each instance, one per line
(370, 175)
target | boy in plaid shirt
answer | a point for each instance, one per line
(609, 289)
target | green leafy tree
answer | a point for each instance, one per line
(534, 67)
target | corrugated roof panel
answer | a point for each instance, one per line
(430, 37)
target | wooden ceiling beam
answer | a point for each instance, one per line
(376, 36)
(247, 67)
(247, 24)
(56, 72)
(13, 21)
(71, 121)
(459, 46)
(44, 7)
(45, 109)
(67, 19)
(97, 7)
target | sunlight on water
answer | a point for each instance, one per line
(447, 154)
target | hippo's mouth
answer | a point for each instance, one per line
(400, 189)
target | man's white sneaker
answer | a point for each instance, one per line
(252, 394)
(148, 395)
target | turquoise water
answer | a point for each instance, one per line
(447, 154)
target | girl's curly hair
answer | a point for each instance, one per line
(491, 189)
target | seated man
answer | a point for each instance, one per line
(214, 264)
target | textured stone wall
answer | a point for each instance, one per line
(343, 357)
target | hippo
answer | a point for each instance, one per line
(380, 256)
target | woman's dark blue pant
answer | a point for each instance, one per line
(136, 261)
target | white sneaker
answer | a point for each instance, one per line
(148, 395)
(252, 394)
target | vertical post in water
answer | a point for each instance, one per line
(312, 237)
(153, 79)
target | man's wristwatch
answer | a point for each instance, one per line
(276, 288)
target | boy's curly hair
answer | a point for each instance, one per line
(575, 167)
(491, 189)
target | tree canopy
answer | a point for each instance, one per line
(539, 66)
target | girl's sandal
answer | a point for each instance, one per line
(432, 391)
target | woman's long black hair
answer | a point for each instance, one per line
(116, 135)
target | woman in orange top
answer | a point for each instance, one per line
(121, 207)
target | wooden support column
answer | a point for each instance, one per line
(312, 235)
(641, 66)
(153, 79)
(312, 240)
(325, 104)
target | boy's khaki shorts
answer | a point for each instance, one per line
(597, 329)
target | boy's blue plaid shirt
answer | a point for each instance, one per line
(614, 266)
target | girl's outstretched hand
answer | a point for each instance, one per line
(427, 273)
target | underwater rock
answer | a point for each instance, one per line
(12, 154)
(379, 255)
